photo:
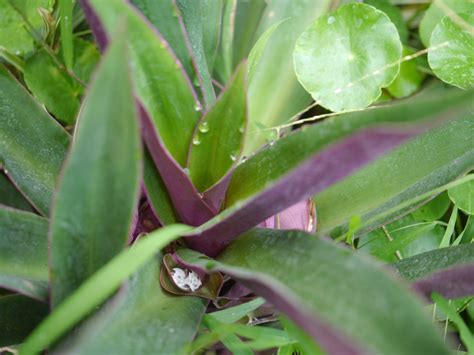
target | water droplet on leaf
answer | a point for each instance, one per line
(331, 20)
(203, 127)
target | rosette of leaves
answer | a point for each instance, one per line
(153, 186)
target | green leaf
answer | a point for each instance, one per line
(159, 80)
(451, 311)
(11, 197)
(99, 187)
(446, 241)
(157, 193)
(409, 79)
(211, 28)
(233, 314)
(99, 286)
(193, 16)
(257, 50)
(425, 163)
(218, 139)
(437, 10)
(393, 322)
(19, 315)
(224, 63)
(142, 318)
(66, 24)
(24, 253)
(163, 15)
(16, 17)
(420, 265)
(305, 342)
(86, 57)
(453, 59)
(52, 86)
(433, 210)
(345, 58)
(463, 196)
(394, 14)
(34, 145)
(275, 94)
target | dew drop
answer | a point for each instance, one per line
(203, 127)
(233, 156)
(186, 171)
(331, 20)
(17, 52)
(196, 140)
(242, 129)
(197, 106)
(272, 142)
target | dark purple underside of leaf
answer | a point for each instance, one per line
(95, 25)
(317, 173)
(455, 282)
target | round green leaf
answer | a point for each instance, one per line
(463, 196)
(345, 58)
(453, 60)
(408, 79)
(437, 11)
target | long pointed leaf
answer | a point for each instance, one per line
(320, 283)
(99, 188)
(316, 157)
(10, 196)
(37, 145)
(141, 318)
(24, 253)
(218, 139)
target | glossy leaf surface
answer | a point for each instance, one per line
(218, 139)
(99, 187)
(140, 318)
(35, 145)
(394, 322)
(454, 61)
(159, 80)
(346, 57)
(24, 253)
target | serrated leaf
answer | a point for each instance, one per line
(218, 139)
(24, 253)
(453, 59)
(52, 86)
(99, 186)
(37, 145)
(333, 61)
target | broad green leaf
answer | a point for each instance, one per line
(394, 14)
(163, 15)
(437, 10)
(24, 253)
(11, 197)
(193, 16)
(257, 50)
(100, 182)
(98, 287)
(433, 210)
(346, 57)
(86, 57)
(52, 86)
(409, 78)
(275, 94)
(217, 142)
(19, 315)
(420, 265)
(66, 8)
(159, 80)
(453, 60)
(277, 160)
(141, 318)
(34, 145)
(393, 322)
(463, 196)
(15, 36)
(157, 193)
(425, 163)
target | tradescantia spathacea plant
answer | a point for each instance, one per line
(173, 201)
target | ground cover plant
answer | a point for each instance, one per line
(215, 176)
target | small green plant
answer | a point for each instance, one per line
(168, 196)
